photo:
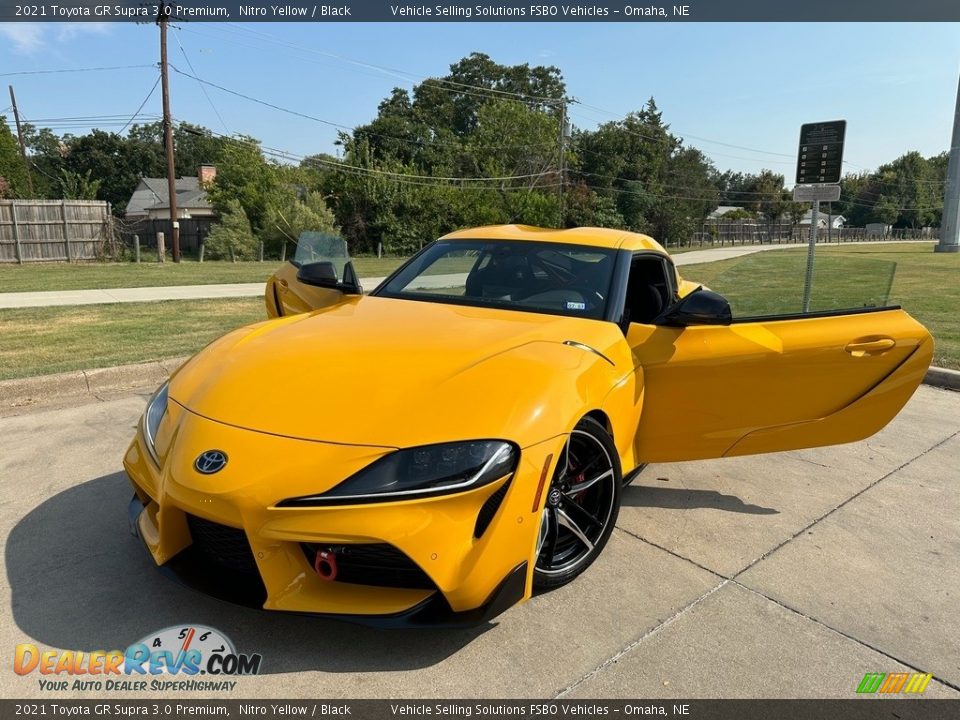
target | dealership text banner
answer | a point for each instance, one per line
(483, 710)
(463, 11)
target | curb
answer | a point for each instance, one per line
(943, 378)
(44, 389)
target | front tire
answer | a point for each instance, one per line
(581, 508)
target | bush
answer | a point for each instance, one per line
(292, 216)
(232, 238)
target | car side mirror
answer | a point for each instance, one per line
(701, 307)
(324, 274)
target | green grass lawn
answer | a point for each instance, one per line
(926, 284)
(84, 276)
(38, 341)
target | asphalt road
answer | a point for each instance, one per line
(787, 575)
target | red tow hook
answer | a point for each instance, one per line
(326, 564)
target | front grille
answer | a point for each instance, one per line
(380, 565)
(226, 546)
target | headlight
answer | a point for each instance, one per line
(415, 472)
(156, 409)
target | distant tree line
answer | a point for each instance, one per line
(480, 145)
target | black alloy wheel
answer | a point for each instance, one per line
(581, 507)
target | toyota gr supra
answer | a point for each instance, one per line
(445, 446)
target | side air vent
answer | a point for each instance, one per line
(489, 510)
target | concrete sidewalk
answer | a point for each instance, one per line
(235, 290)
(787, 575)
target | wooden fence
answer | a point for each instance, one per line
(740, 232)
(192, 232)
(51, 230)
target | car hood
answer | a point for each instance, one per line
(397, 373)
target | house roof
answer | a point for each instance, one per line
(151, 194)
(824, 217)
(723, 210)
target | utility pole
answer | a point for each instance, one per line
(950, 225)
(563, 161)
(162, 20)
(23, 146)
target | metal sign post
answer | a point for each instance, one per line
(808, 280)
(819, 163)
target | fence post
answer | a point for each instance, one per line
(261, 251)
(379, 250)
(161, 249)
(136, 249)
(202, 249)
(16, 233)
(66, 227)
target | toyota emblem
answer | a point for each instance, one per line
(210, 462)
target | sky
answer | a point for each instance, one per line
(738, 92)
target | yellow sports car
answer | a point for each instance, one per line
(441, 448)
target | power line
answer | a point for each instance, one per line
(75, 70)
(430, 180)
(409, 178)
(176, 36)
(400, 74)
(339, 126)
(381, 71)
(695, 137)
(145, 101)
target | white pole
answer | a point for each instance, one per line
(808, 282)
(950, 225)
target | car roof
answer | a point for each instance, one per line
(591, 236)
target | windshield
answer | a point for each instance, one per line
(553, 278)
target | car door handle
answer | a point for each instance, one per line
(283, 285)
(870, 346)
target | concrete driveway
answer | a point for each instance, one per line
(788, 575)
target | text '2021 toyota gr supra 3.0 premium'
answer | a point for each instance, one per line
(443, 447)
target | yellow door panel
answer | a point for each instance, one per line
(774, 384)
(294, 296)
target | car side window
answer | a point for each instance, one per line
(650, 289)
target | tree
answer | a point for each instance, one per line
(292, 216)
(12, 172)
(232, 238)
(244, 176)
(195, 146)
(658, 186)
(112, 159)
(78, 187)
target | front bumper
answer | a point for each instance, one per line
(471, 579)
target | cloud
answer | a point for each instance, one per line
(28, 38)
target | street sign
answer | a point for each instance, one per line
(814, 193)
(820, 157)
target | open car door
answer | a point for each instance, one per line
(773, 383)
(287, 292)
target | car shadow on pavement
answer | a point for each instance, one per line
(80, 581)
(687, 499)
